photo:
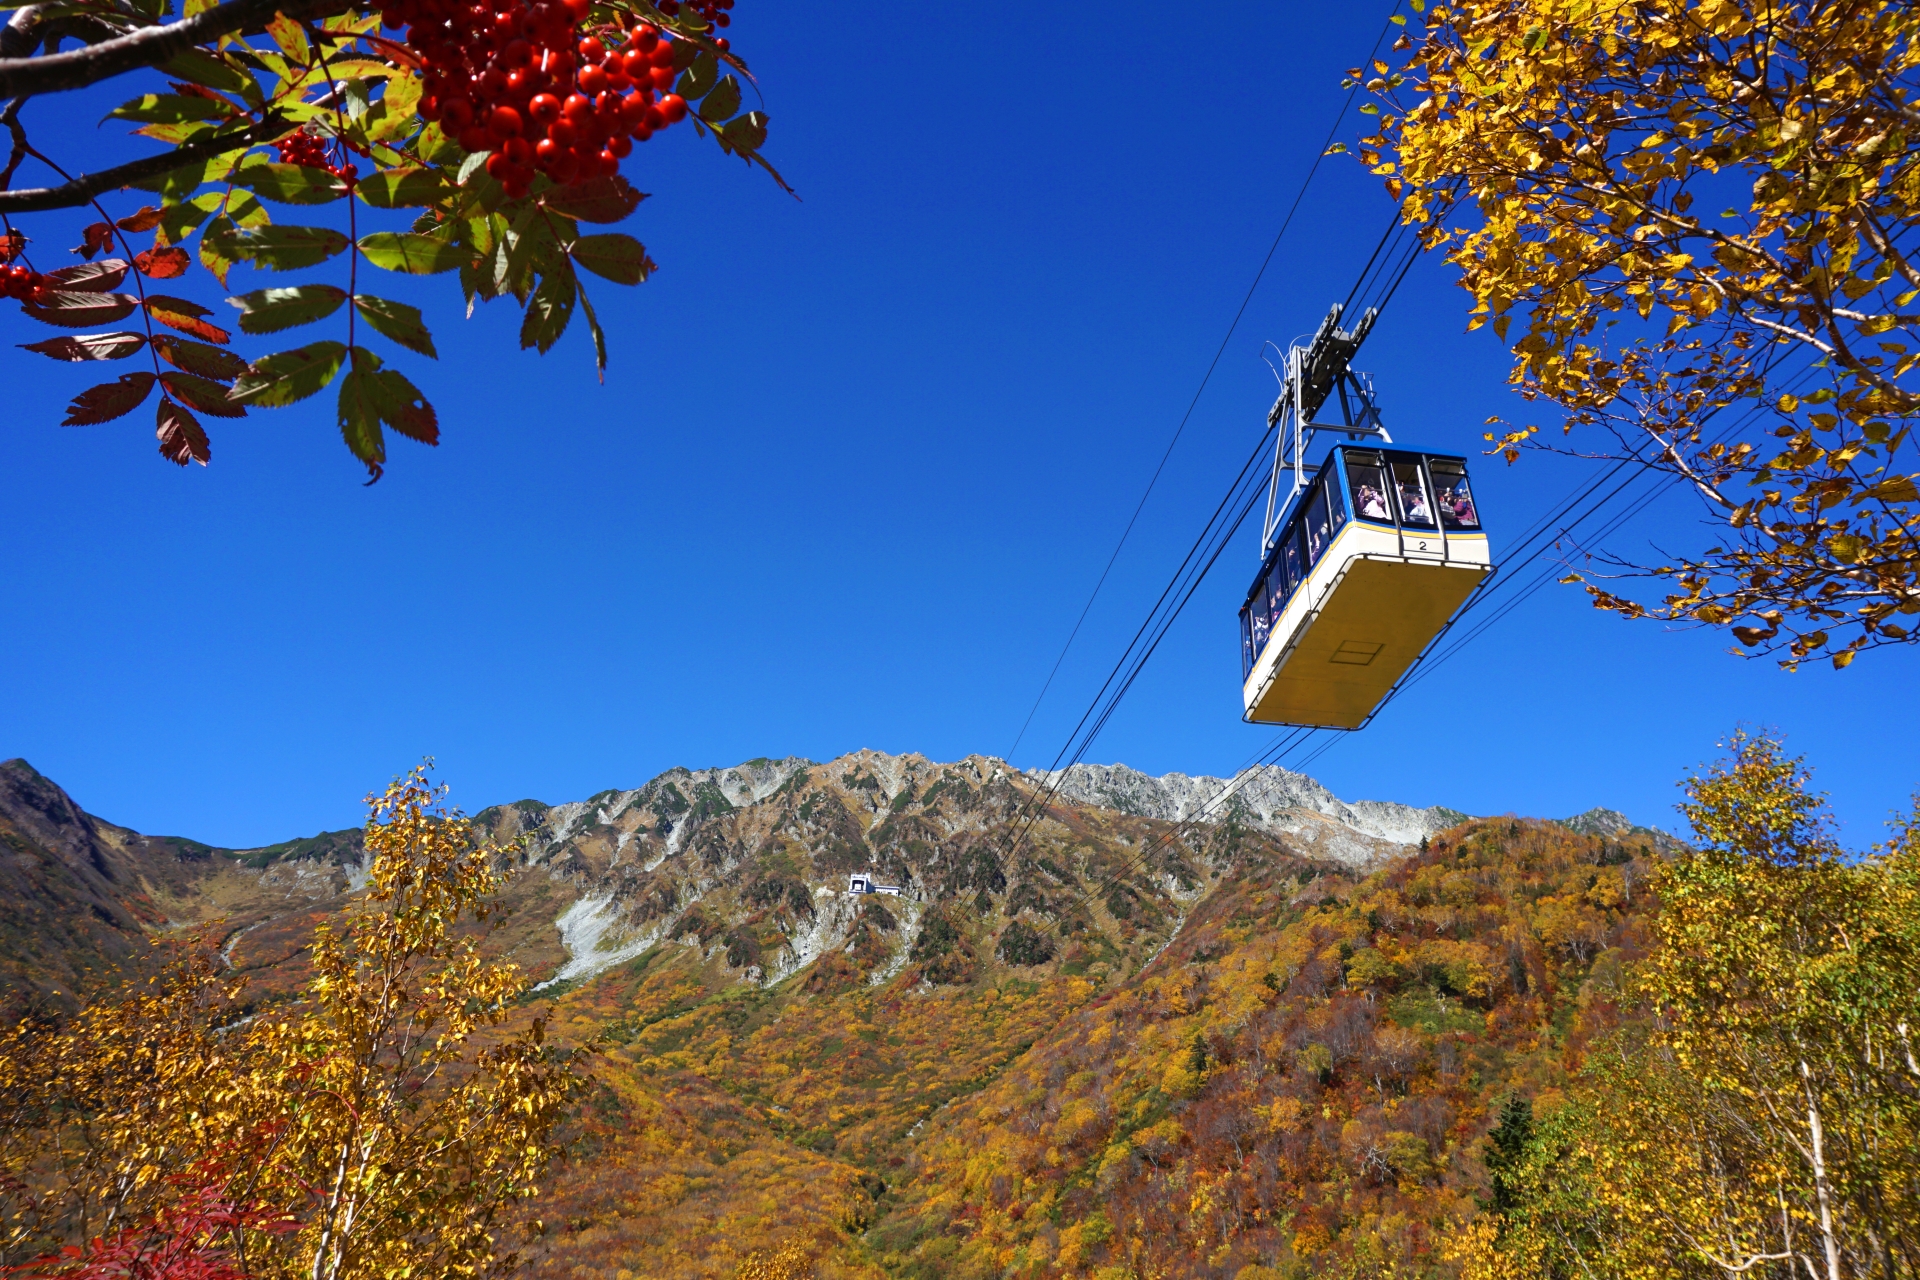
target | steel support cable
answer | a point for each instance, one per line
(1206, 378)
(1214, 534)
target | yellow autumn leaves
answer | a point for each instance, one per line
(1764, 1117)
(1691, 209)
(381, 1124)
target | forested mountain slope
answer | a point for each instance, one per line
(1111, 1041)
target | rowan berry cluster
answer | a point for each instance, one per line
(712, 12)
(22, 283)
(516, 80)
(311, 150)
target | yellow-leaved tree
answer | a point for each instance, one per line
(1702, 214)
(381, 1124)
(1764, 1119)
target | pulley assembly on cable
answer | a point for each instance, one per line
(1364, 561)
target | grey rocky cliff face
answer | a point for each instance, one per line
(1272, 799)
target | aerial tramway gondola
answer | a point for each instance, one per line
(1363, 563)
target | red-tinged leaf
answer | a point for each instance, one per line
(90, 277)
(203, 394)
(145, 218)
(392, 51)
(197, 91)
(95, 237)
(89, 346)
(12, 245)
(163, 264)
(182, 439)
(81, 310)
(596, 200)
(187, 317)
(199, 358)
(109, 400)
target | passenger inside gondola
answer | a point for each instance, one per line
(1457, 506)
(1412, 493)
(1371, 503)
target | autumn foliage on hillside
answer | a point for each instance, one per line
(1300, 1083)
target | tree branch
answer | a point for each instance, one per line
(149, 46)
(88, 185)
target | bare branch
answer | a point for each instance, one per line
(88, 185)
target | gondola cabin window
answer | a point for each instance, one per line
(1456, 499)
(1411, 489)
(1368, 482)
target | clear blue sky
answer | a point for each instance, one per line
(857, 464)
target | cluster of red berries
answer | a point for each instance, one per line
(22, 282)
(517, 81)
(311, 150)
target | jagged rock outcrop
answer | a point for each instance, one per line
(1269, 798)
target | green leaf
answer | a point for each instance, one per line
(199, 358)
(599, 335)
(109, 400)
(81, 310)
(699, 78)
(398, 321)
(278, 248)
(722, 101)
(371, 396)
(744, 133)
(289, 183)
(601, 200)
(178, 220)
(175, 132)
(402, 188)
(549, 311)
(271, 310)
(616, 257)
(278, 380)
(411, 252)
(172, 108)
(212, 255)
(197, 66)
(203, 394)
(89, 346)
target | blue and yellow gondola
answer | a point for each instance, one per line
(1373, 558)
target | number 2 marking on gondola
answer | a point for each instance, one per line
(1423, 546)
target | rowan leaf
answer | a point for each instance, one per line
(163, 264)
(89, 346)
(288, 376)
(721, 101)
(599, 335)
(109, 400)
(613, 256)
(187, 317)
(172, 108)
(291, 38)
(203, 394)
(371, 396)
(90, 277)
(271, 310)
(289, 183)
(411, 252)
(549, 310)
(182, 439)
(198, 66)
(402, 188)
(600, 199)
(199, 358)
(398, 321)
(145, 218)
(276, 248)
(81, 310)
